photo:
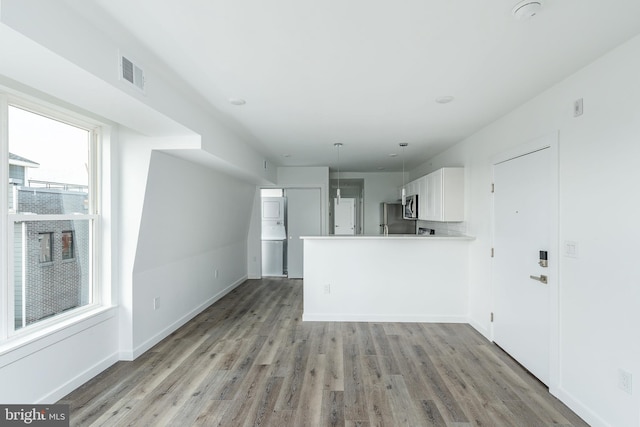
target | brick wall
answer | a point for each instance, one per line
(53, 287)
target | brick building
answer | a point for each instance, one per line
(52, 268)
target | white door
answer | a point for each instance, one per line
(303, 219)
(522, 228)
(344, 216)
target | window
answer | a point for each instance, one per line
(45, 247)
(67, 245)
(52, 222)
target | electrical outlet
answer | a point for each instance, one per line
(156, 303)
(625, 381)
(327, 289)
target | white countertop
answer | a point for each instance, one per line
(389, 237)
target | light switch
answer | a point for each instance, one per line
(571, 249)
(578, 108)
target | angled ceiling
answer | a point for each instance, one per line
(368, 73)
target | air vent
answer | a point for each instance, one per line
(131, 73)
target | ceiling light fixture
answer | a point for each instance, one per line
(526, 9)
(237, 101)
(404, 191)
(338, 145)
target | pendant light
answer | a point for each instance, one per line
(338, 145)
(404, 191)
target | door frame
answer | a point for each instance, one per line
(550, 142)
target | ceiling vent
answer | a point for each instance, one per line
(131, 73)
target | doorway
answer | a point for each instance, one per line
(287, 214)
(350, 188)
(525, 256)
(344, 216)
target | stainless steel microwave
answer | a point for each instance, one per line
(411, 207)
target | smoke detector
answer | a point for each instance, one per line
(526, 9)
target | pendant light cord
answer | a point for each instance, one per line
(338, 145)
(403, 193)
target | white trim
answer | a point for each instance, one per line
(21, 217)
(551, 142)
(149, 343)
(4, 224)
(478, 327)
(23, 346)
(582, 410)
(78, 380)
(399, 318)
(98, 252)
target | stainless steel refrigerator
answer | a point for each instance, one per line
(391, 219)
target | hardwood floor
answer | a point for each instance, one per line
(249, 360)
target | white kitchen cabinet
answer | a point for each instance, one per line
(443, 195)
(411, 188)
(422, 196)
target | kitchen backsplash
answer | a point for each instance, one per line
(445, 228)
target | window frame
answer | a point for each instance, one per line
(49, 240)
(98, 289)
(72, 245)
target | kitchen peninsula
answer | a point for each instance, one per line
(395, 278)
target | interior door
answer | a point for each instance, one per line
(344, 216)
(522, 228)
(303, 219)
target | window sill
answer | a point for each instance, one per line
(20, 346)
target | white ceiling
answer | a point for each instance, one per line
(367, 72)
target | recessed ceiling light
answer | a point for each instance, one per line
(237, 101)
(444, 99)
(393, 155)
(526, 9)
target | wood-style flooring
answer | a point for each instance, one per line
(249, 360)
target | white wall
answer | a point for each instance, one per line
(89, 46)
(51, 51)
(46, 369)
(254, 246)
(378, 187)
(194, 222)
(599, 313)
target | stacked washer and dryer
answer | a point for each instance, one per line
(274, 236)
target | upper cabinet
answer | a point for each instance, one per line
(443, 195)
(440, 195)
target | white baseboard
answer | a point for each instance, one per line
(404, 318)
(138, 351)
(66, 388)
(478, 327)
(579, 408)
